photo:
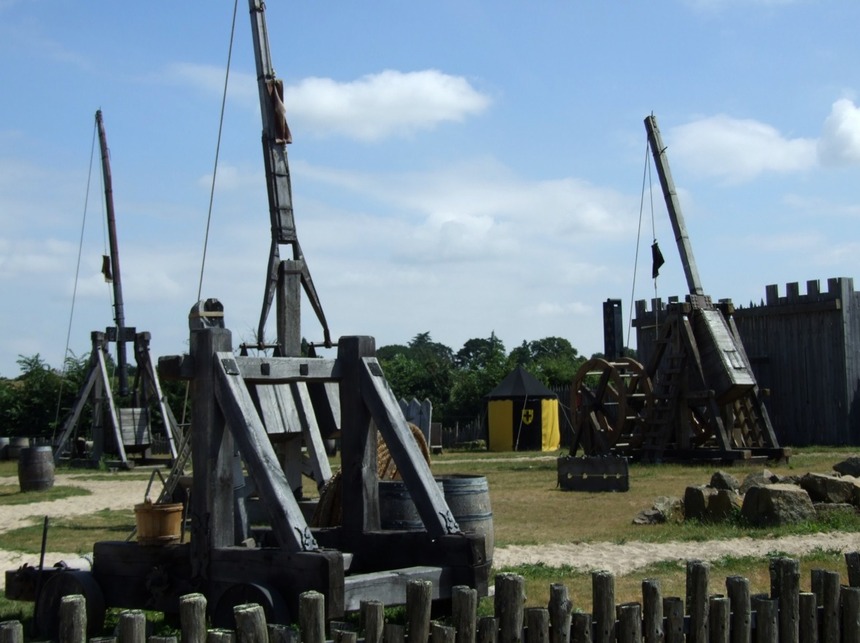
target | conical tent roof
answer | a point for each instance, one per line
(520, 383)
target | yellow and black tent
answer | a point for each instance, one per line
(522, 415)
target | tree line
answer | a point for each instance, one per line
(36, 402)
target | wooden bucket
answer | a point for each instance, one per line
(468, 498)
(36, 468)
(396, 508)
(158, 524)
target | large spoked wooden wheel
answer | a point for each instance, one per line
(609, 401)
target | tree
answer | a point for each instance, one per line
(482, 364)
(553, 360)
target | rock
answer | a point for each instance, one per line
(665, 509)
(831, 489)
(696, 502)
(724, 480)
(823, 508)
(776, 504)
(757, 479)
(724, 504)
(848, 467)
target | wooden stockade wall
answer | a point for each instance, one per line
(804, 350)
(830, 613)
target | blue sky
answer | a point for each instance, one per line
(459, 167)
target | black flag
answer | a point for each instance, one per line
(106, 271)
(656, 260)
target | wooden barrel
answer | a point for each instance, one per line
(468, 497)
(16, 445)
(36, 468)
(396, 508)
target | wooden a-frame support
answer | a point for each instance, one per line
(97, 388)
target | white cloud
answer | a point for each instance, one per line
(738, 150)
(380, 105)
(840, 141)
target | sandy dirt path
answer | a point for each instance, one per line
(617, 558)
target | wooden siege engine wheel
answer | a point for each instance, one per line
(609, 400)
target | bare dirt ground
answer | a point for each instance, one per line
(617, 558)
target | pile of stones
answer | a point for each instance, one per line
(763, 498)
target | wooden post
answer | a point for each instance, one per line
(851, 614)
(738, 589)
(630, 623)
(280, 633)
(419, 599)
(488, 630)
(192, 618)
(537, 625)
(508, 604)
(718, 619)
(11, 632)
(580, 628)
(102, 639)
(132, 626)
(852, 562)
(250, 623)
(652, 611)
(73, 619)
(464, 610)
(442, 633)
(312, 617)
(785, 587)
(673, 610)
(603, 606)
(808, 630)
(830, 590)
(560, 608)
(394, 633)
(816, 584)
(162, 639)
(767, 623)
(344, 636)
(218, 635)
(373, 617)
(697, 601)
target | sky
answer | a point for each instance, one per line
(459, 167)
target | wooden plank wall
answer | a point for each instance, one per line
(803, 348)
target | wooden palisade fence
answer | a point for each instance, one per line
(830, 613)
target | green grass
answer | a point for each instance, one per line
(74, 534)
(12, 494)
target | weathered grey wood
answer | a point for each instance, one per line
(488, 630)
(212, 446)
(718, 619)
(816, 585)
(429, 499)
(373, 619)
(269, 371)
(132, 626)
(697, 600)
(11, 632)
(630, 623)
(767, 619)
(442, 634)
(394, 633)
(192, 618)
(358, 441)
(288, 521)
(218, 635)
(673, 611)
(419, 600)
(162, 639)
(581, 628)
(852, 562)
(344, 636)
(73, 619)
(830, 590)
(390, 586)
(785, 587)
(250, 623)
(312, 617)
(851, 614)
(560, 609)
(102, 639)
(509, 601)
(311, 432)
(652, 611)
(808, 630)
(603, 602)
(464, 610)
(280, 633)
(738, 590)
(537, 625)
